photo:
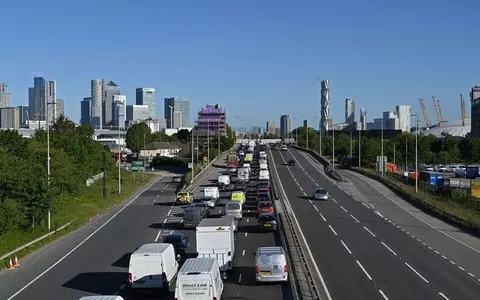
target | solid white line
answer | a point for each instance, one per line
(349, 252)
(355, 218)
(243, 252)
(415, 271)
(240, 278)
(333, 230)
(369, 231)
(300, 188)
(389, 248)
(315, 207)
(323, 218)
(158, 235)
(364, 271)
(383, 295)
(443, 296)
(343, 208)
(84, 241)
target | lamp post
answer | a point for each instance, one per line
(416, 152)
(120, 150)
(359, 149)
(333, 147)
(48, 156)
(193, 165)
(351, 143)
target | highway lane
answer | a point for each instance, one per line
(240, 284)
(444, 239)
(344, 254)
(433, 270)
(97, 266)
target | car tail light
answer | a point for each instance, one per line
(130, 281)
(257, 269)
(285, 268)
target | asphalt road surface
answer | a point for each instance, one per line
(359, 253)
(94, 259)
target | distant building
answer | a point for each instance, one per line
(85, 111)
(475, 111)
(211, 122)
(119, 115)
(363, 119)
(172, 105)
(136, 113)
(60, 108)
(109, 90)
(9, 118)
(285, 125)
(390, 121)
(5, 96)
(305, 124)
(403, 114)
(271, 127)
(37, 98)
(23, 114)
(146, 96)
(277, 131)
(157, 125)
(96, 105)
(376, 124)
(349, 111)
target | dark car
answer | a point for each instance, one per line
(263, 198)
(267, 222)
(264, 184)
(180, 243)
(204, 205)
(291, 162)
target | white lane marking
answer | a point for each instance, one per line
(461, 268)
(436, 252)
(344, 245)
(243, 252)
(471, 275)
(164, 221)
(371, 205)
(248, 220)
(444, 257)
(333, 230)
(246, 233)
(343, 208)
(416, 272)
(323, 218)
(378, 213)
(240, 278)
(369, 231)
(452, 262)
(383, 295)
(158, 235)
(169, 212)
(421, 220)
(315, 207)
(309, 199)
(365, 205)
(364, 271)
(301, 188)
(84, 241)
(334, 201)
(443, 296)
(389, 249)
(171, 232)
(355, 218)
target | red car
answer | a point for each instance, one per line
(265, 207)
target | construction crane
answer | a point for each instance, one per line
(464, 112)
(437, 111)
(424, 110)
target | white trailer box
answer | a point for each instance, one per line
(199, 279)
(211, 191)
(215, 239)
(102, 298)
(152, 266)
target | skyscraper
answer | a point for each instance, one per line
(37, 97)
(324, 107)
(9, 118)
(23, 114)
(404, 112)
(146, 96)
(285, 125)
(96, 104)
(136, 113)
(172, 105)
(109, 89)
(85, 111)
(119, 110)
(60, 108)
(349, 111)
(271, 127)
(5, 96)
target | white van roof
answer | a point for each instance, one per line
(215, 222)
(152, 249)
(101, 298)
(199, 264)
(270, 250)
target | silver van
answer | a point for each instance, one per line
(234, 208)
(271, 265)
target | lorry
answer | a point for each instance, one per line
(232, 160)
(215, 239)
(199, 279)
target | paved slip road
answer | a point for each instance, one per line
(71, 268)
(360, 254)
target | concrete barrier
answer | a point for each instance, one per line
(326, 164)
(94, 179)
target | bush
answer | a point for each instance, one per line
(162, 161)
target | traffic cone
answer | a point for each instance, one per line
(10, 265)
(16, 263)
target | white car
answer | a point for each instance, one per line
(320, 194)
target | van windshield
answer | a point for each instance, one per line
(233, 206)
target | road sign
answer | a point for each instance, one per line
(190, 165)
(141, 169)
(137, 163)
(134, 169)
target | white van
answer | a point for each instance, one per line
(263, 167)
(271, 265)
(215, 239)
(102, 298)
(211, 191)
(264, 175)
(224, 180)
(243, 174)
(263, 154)
(152, 266)
(199, 279)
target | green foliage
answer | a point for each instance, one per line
(26, 193)
(161, 161)
(137, 136)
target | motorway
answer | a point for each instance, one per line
(94, 259)
(359, 253)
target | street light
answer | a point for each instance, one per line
(359, 149)
(48, 155)
(333, 147)
(193, 165)
(416, 151)
(119, 150)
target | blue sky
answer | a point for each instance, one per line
(258, 58)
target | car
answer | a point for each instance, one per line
(267, 222)
(320, 194)
(183, 198)
(204, 206)
(291, 162)
(284, 148)
(180, 243)
(177, 179)
(209, 201)
(264, 184)
(265, 207)
(271, 265)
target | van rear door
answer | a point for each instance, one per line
(195, 287)
(147, 271)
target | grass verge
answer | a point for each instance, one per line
(79, 210)
(460, 208)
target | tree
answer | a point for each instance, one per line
(137, 134)
(183, 135)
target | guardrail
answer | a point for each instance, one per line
(305, 282)
(326, 164)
